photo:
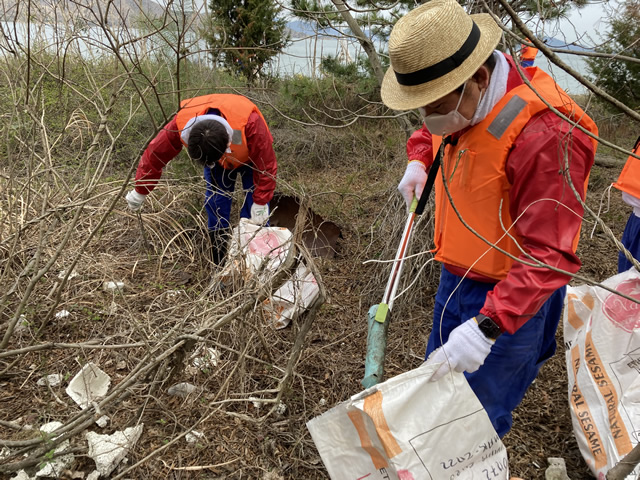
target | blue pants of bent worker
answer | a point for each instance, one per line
(631, 241)
(513, 364)
(220, 186)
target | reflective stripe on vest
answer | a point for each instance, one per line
(629, 179)
(474, 171)
(235, 109)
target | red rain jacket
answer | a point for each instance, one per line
(533, 170)
(167, 145)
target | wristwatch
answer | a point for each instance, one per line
(488, 326)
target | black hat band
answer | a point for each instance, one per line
(444, 66)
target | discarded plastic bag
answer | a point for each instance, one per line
(602, 340)
(251, 247)
(408, 428)
(292, 298)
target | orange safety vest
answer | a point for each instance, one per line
(629, 179)
(474, 170)
(235, 109)
(528, 53)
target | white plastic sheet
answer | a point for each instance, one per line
(602, 340)
(253, 246)
(408, 428)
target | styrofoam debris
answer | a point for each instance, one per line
(103, 421)
(52, 380)
(62, 314)
(182, 389)
(89, 384)
(257, 402)
(109, 450)
(58, 465)
(112, 286)
(193, 436)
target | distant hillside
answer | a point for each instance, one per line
(556, 43)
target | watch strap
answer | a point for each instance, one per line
(488, 326)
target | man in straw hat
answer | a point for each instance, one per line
(508, 197)
(228, 136)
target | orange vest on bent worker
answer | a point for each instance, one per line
(474, 170)
(528, 53)
(235, 109)
(629, 179)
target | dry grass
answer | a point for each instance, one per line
(173, 295)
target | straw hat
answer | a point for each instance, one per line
(434, 49)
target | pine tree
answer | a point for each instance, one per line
(246, 34)
(620, 78)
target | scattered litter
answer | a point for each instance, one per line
(109, 450)
(281, 408)
(193, 436)
(208, 358)
(557, 469)
(181, 389)
(62, 314)
(174, 293)
(112, 286)
(5, 453)
(322, 402)
(103, 421)
(89, 384)
(56, 466)
(52, 380)
(63, 273)
(257, 403)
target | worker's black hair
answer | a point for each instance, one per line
(208, 141)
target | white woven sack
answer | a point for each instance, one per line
(602, 340)
(408, 428)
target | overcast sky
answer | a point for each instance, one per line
(583, 25)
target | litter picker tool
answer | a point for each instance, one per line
(378, 318)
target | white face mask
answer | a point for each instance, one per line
(450, 122)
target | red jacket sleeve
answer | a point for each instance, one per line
(419, 147)
(547, 215)
(263, 158)
(162, 149)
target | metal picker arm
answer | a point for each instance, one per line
(378, 325)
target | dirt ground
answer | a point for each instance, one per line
(173, 294)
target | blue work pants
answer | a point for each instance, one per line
(631, 241)
(501, 383)
(220, 186)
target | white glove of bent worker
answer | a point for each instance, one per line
(259, 214)
(465, 351)
(412, 183)
(135, 200)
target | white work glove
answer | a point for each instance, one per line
(135, 200)
(259, 214)
(465, 351)
(412, 183)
